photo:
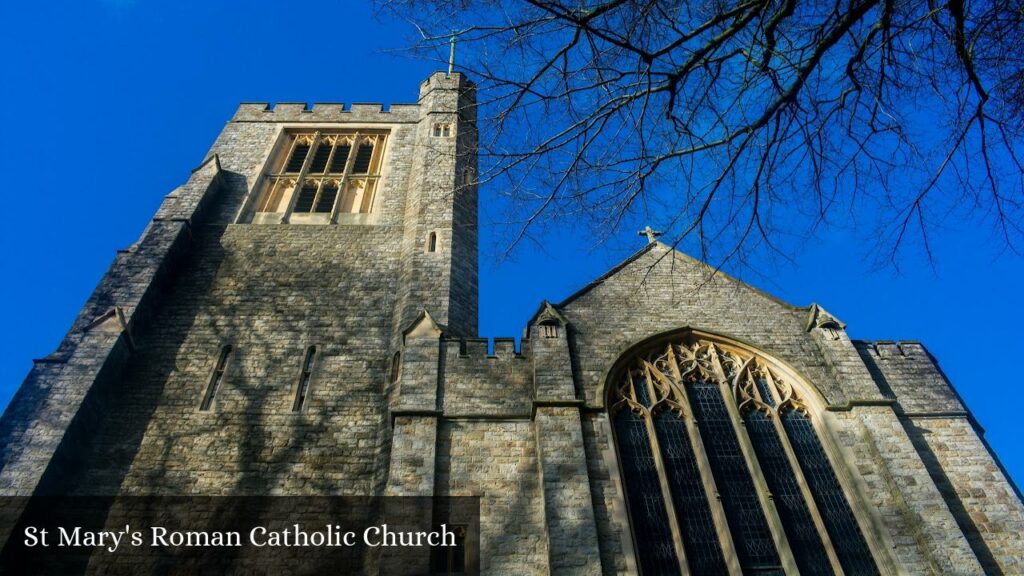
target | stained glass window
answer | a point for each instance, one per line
(703, 550)
(835, 510)
(655, 549)
(696, 378)
(796, 518)
(739, 498)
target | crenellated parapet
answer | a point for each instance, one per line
(478, 382)
(893, 348)
(326, 112)
(494, 349)
(906, 371)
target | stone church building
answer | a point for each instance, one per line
(300, 317)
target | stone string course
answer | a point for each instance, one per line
(406, 399)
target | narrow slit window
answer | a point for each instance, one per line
(215, 379)
(432, 242)
(302, 390)
(298, 158)
(396, 367)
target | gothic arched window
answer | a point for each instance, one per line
(723, 469)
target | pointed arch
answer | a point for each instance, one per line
(744, 482)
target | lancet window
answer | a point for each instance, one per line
(318, 176)
(213, 386)
(723, 469)
(305, 375)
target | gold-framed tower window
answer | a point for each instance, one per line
(317, 177)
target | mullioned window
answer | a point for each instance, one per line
(318, 176)
(723, 469)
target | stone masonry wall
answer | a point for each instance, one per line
(983, 500)
(476, 383)
(568, 507)
(270, 292)
(605, 492)
(661, 290)
(57, 408)
(906, 371)
(918, 521)
(444, 281)
(987, 508)
(497, 460)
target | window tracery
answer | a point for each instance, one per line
(318, 176)
(707, 434)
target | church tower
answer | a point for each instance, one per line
(439, 248)
(264, 302)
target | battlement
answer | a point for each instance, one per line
(893, 349)
(477, 383)
(907, 372)
(326, 112)
(443, 81)
(504, 348)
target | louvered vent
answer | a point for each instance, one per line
(323, 152)
(340, 158)
(362, 163)
(305, 201)
(298, 158)
(325, 203)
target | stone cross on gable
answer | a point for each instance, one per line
(652, 235)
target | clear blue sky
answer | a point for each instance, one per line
(109, 103)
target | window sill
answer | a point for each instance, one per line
(314, 219)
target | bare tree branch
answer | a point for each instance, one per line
(745, 123)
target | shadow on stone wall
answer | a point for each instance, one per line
(148, 436)
(919, 437)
